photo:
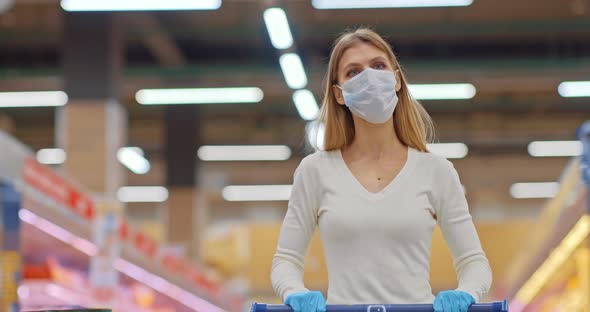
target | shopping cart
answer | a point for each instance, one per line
(500, 306)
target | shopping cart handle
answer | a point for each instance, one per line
(500, 306)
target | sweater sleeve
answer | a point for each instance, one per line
(296, 232)
(473, 270)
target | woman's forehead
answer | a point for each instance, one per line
(361, 53)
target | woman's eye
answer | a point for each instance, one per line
(351, 73)
(379, 66)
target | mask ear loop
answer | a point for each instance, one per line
(339, 87)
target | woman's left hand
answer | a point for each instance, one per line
(453, 301)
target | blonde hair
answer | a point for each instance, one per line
(413, 125)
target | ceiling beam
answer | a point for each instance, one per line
(159, 42)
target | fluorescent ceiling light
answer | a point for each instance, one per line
(316, 132)
(244, 152)
(139, 5)
(321, 135)
(449, 150)
(366, 4)
(51, 156)
(133, 158)
(278, 28)
(306, 104)
(257, 192)
(293, 70)
(446, 91)
(33, 99)
(199, 96)
(555, 148)
(574, 88)
(142, 194)
(534, 190)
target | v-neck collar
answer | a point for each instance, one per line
(343, 167)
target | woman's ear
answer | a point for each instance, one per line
(398, 79)
(338, 95)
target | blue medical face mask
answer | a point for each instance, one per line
(371, 95)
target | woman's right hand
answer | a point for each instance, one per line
(309, 301)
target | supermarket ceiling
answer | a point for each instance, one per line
(515, 53)
(490, 43)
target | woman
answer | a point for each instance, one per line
(376, 194)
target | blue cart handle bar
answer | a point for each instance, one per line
(500, 306)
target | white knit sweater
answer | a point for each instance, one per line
(377, 245)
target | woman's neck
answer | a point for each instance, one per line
(374, 141)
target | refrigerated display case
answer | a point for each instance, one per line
(58, 216)
(552, 272)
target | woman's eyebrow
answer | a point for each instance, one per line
(351, 65)
(378, 58)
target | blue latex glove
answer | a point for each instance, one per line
(309, 301)
(453, 301)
